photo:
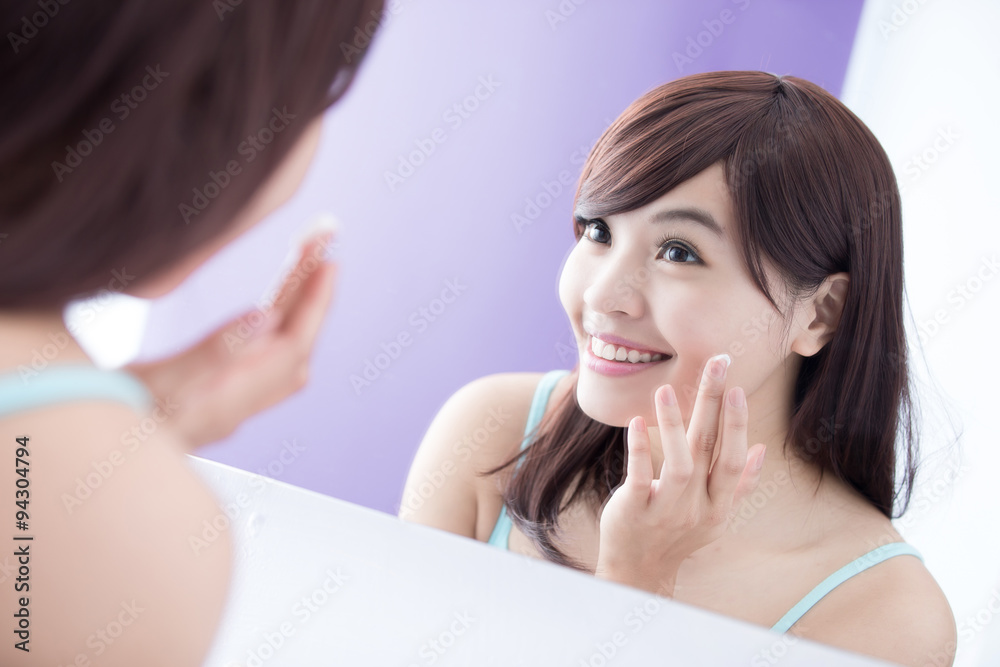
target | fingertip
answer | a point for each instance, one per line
(638, 424)
(737, 399)
(665, 396)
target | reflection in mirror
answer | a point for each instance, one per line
(739, 246)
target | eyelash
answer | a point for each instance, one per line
(663, 244)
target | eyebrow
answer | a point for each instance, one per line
(692, 214)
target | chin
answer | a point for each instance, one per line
(612, 402)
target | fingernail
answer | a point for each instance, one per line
(639, 424)
(327, 247)
(667, 396)
(324, 225)
(736, 398)
(717, 366)
(324, 222)
(760, 459)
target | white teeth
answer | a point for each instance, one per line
(620, 353)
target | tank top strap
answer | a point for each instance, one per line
(501, 529)
(26, 389)
(858, 565)
(538, 404)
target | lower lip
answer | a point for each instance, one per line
(616, 368)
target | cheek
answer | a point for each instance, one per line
(571, 285)
(734, 322)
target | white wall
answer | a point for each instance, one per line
(925, 76)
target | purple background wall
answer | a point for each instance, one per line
(559, 77)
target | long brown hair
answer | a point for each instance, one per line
(117, 115)
(813, 194)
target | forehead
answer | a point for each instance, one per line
(705, 195)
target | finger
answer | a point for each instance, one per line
(732, 460)
(751, 474)
(639, 467)
(703, 431)
(311, 259)
(305, 316)
(677, 462)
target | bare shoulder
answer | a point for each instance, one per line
(479, 427)
(121, 515)
(494, 411)
(894, 610)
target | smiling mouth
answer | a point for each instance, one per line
(610, 352)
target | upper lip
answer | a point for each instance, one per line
(625, 342)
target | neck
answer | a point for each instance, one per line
(37, 339)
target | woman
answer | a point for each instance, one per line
(139, 139)
(734, 230)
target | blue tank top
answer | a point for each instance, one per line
(26, 389)
(501, 531)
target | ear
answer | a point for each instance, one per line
(821, 315)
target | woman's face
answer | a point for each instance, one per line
(666, 281)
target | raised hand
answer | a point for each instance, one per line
(649, 526)
(252, 362)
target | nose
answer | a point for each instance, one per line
(617, 287)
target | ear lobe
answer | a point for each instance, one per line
(824, 308)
